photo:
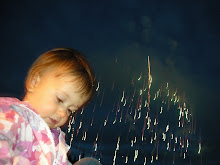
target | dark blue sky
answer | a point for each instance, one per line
(181, 38)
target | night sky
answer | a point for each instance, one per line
(181, 39)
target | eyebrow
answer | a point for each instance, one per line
(64, 93)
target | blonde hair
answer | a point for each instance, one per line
(65, 61)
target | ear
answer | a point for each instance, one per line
(34, 81)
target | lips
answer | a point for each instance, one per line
(53, 121)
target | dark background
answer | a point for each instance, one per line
(181, 38)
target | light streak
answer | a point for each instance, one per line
(140, 77)
(161, 110)
(139, 116)
(71, 139)
(141, 91)
(176, 139)
(200, 147)
(114, 158)
(102, 98)
(168, 146)
(84, 136)
(145, 160)
(69, 124)
(126, 159)
(92, 121)
(167, 127)
(96, 146)
(164, 136)
(155, 121)
(82, 111)
(155, 136)
(145, 104)
(124, 103)
(152, 159)
(165, 121)
(117, 148)
(148, 122)
(73, 120)
(123, 95)
(97, 87)
(135, 155)
(80, 125)
(155, 96)
(97, 136)
(114, 121)
(105, 122)
(171, 136)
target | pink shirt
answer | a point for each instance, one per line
(26, 139)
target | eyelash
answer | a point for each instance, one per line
(70, 111)
(59, 100)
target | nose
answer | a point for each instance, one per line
(62, 113)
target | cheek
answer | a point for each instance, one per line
(65, 119)
(48, 108)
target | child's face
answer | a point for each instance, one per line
(54, 98)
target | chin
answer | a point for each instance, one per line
(54, 126)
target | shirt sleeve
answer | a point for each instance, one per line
(9, 133)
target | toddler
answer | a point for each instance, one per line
(58, 83)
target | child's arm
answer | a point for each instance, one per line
(7, 155)
(9, 133)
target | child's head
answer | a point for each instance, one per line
(59, 82)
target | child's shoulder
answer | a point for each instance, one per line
(6, 108)
(8, 100)
(20, 112)
(15, 114)
(7, 104)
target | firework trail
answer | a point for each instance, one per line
(146, 126)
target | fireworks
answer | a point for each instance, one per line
(144, 129)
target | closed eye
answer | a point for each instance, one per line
(70, 111)
(59, 100)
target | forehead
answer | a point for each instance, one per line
(61, 78)
(65, 80)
